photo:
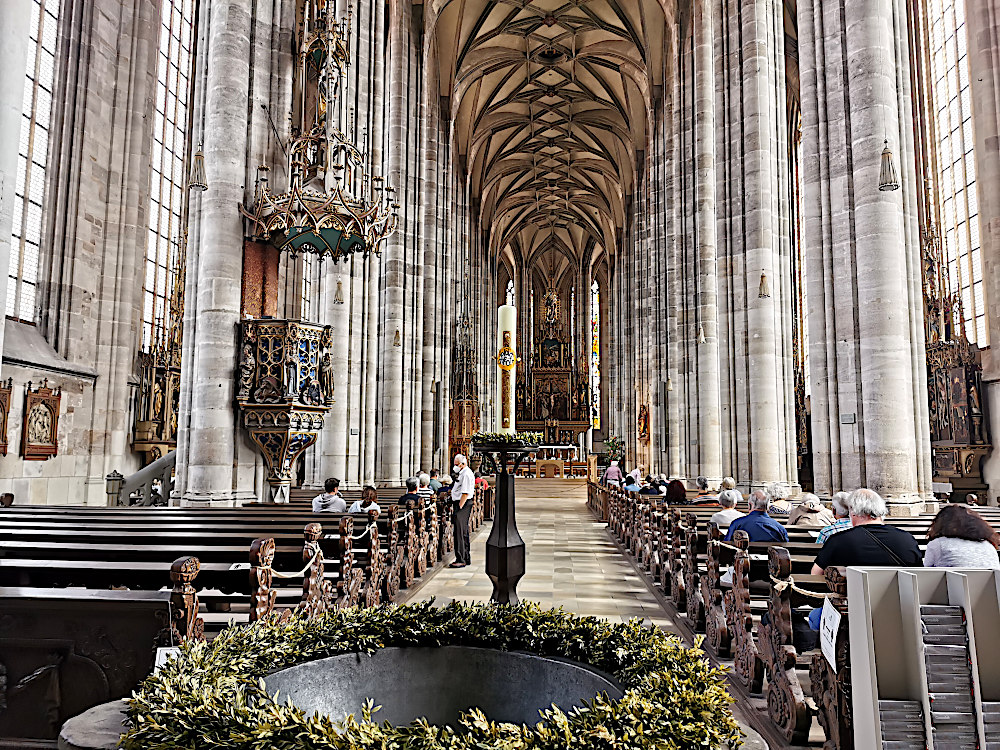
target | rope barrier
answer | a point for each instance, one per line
(404, 516)
(727, 545)
(279, 574)
(365, 533)
(780, 585)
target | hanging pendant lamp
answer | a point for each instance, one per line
(197, 179)
(338, 297)
(887, 177)
(701, 334)
(765, 288)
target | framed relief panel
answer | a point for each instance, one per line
(40, 426)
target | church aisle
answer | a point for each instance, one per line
(571, 560)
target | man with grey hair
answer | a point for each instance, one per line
(841, 515)
(870, 541)
(728, 500)
(810, 512)
(758, 525)
(461, 497)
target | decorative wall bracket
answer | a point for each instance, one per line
(5, 390)
(40, 424)
(284, 388)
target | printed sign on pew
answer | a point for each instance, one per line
(829, 626)
(163, 655)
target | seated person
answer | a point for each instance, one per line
(331, 500)
(810, 512)
(444, 491)
(649, 487)
(367, 502)
(676, 494)
(728, 500)
(841, 515)
(424, 489)
(631, 484)
(728, 483)
(411, 492)
(779, 504)
(663, 483)
(758, 525)
(705, 497)
(435, 481)
(7, 499)
(961, 538)
(870, 541)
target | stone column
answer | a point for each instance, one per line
(15, 20)
(861, 251)
(760, 111)
(709, 403)
(393, 269)
(983, 25)
(217, 255)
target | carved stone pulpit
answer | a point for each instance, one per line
(284, 388)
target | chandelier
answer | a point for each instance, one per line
(334, 206)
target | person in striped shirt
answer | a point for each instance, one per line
(842, 514)
(424, 490)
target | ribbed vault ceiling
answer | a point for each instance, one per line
(551, 101)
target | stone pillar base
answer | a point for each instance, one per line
(905, 508)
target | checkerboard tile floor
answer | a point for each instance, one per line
(571, 560)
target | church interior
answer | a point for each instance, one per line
(272, 264)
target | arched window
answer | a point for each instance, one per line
(595, 356)
(169, 176)
(29, 189)
(952, 112)
(510, 292)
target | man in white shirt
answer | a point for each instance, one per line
(330, 501)
(728, 500)
(461, 497)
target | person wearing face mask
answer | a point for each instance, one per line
(461, 496)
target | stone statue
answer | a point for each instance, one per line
(248, 364)
(326, 377)
(291, 369)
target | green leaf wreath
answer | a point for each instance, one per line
(212, 694)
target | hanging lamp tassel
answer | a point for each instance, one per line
(701, 334)
(887, 179)
(670, 384)
(765, 289)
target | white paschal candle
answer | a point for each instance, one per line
(506, 367)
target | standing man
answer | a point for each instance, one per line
(461, 496)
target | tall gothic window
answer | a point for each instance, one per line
(510, 292)
(170, 128)
(595, 356)
(26, 238)
(952, 108)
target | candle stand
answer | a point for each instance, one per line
(504, 548)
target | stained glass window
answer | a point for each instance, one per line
(952, 110)
(595, 356)
(33, 147)
(169, 175)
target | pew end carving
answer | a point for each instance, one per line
(185, 623)
(747, 664)
(262, 593)
(831, 689)
(717, 558)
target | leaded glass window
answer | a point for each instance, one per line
(33, 147)
(169, 175)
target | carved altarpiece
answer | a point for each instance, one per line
(40, 424)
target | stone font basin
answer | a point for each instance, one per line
(439, 684)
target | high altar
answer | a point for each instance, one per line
(552, 395)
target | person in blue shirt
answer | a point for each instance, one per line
(758, 525)
(631, 484)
